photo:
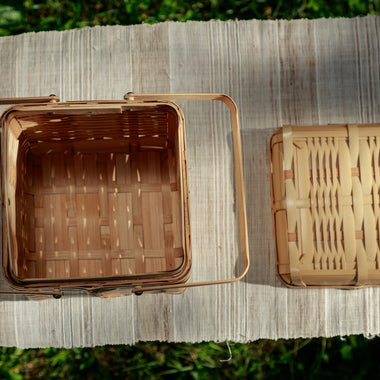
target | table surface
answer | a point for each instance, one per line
(279, 73)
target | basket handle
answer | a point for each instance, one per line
(239, 181)
(37, 99)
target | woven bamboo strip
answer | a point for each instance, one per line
(291, 207)
(366, 176)
(375, 192)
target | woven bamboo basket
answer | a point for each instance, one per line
(325, 185)
(95, 195)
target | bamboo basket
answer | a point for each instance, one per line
(325, 184)
(95, 196)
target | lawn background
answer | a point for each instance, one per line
(353, 357)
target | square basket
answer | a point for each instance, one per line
(95, 195)
(325, 201)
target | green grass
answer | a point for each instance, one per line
(353, 358)
(33, 15)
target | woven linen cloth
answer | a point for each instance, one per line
(279, 73)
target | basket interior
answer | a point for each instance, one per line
(97, 193)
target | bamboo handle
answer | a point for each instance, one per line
(239, 180)
(38, 99)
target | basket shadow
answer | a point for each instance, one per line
(255, 147)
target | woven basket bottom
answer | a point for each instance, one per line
(99, 215)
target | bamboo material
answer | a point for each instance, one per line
(325, 194)
(95, 194)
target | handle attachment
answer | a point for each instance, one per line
(135, 98)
